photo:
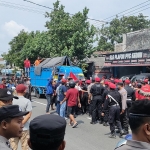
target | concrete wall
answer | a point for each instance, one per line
(119, 47)
(138, 40)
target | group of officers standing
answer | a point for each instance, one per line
(110, 100)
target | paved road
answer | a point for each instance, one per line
(85, 136)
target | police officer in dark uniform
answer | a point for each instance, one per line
(49, 135)
(113, 100)
(104, 98)
(130, 93)
(96, 91)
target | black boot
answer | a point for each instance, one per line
(121, 133)
(93, 122)
(105, 124)
(125, 132)
(113, 135)
(101, 122)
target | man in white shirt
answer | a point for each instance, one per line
(25, 105)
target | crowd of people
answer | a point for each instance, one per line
(11, 84)
(15, 112)
(106, 101)
(111, 102)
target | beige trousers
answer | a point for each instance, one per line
(23, 139)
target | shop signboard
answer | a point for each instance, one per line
(132, 57)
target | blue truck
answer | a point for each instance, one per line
(55, 67)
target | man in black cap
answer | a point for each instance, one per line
(10, 124)
(139, 120)
(6, 97)
(48, 135)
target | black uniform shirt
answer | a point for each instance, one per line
(97, 89)
(130, 93)
(109, 102)
(104, 94)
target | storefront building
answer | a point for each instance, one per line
(128, 62)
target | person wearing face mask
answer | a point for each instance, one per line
(139, 121)
(123, 114)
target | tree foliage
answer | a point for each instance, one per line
(66, 35)
(70, 35)
(112, 33)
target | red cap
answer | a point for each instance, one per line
(146, 80)
(97, 79)
(127, 81)
(88, 81)
(20, 88)
(116, 80)
(106, 83)
(112, 86)
(64, 80)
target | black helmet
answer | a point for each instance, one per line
(72, 84)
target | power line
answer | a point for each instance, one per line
(126, 10)
(141, 10)
(28, 10)
(133, 11)
(20, 5)
(21, 8)
(68, 13)
(13, 5)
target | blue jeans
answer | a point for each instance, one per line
(48, 97)
(63, 109)
(58, 108)
(26, 71)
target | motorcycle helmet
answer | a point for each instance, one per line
(72, 84)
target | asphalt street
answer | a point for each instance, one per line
(85, 136)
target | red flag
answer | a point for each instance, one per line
(73, 76)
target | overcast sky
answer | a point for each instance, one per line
(13, 20)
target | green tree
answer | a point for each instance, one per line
(36, 45)
(16, 48)
(66, 35)
(70, 35)
(112, 33)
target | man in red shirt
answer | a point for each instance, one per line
(3, 84)
(27, 67)
(145, 87)
(72, 96)
(137, 95)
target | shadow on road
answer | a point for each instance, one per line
(80, 122)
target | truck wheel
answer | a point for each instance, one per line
(37, 94)
(34, 92)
